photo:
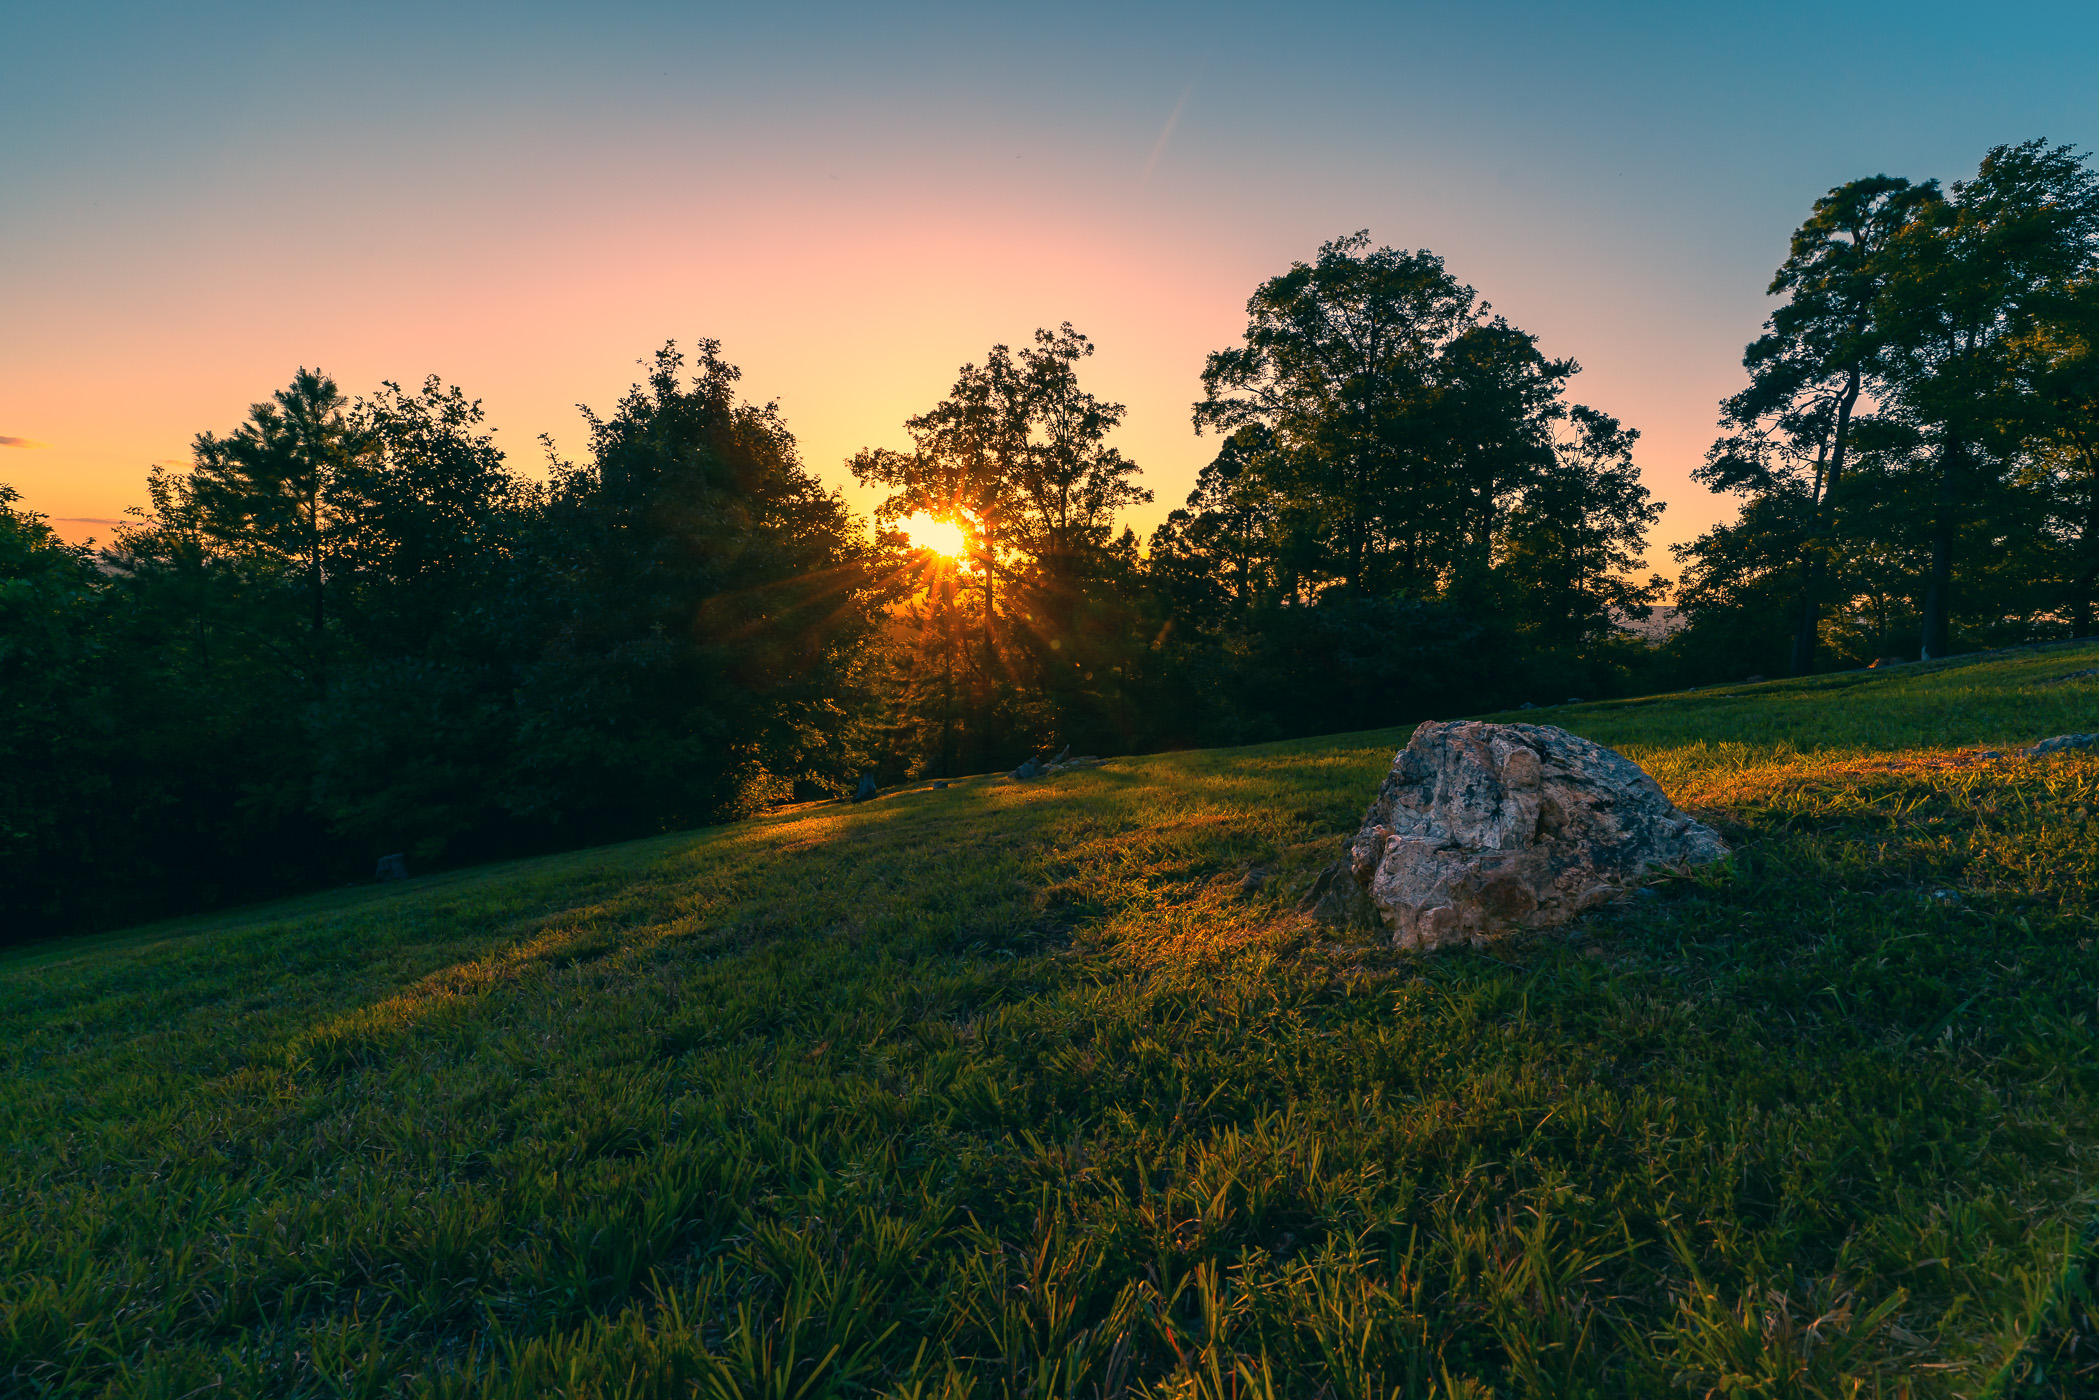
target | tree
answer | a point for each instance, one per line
(1400, 475)
(1231, 548)
(1790, 431)
(1016, 454)
(1577, 532)
(58, 715)
(1497, 400)
(1967, 282)
(1899, 404)
(232, 580)
(703, 603)
(2057, 364)
(1338, 365)
(416, 733)
(269, 496)
(427, 509)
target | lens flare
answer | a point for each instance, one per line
(930, 532)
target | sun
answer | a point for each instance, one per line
(940, 536)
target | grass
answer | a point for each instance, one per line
(1031, 1090)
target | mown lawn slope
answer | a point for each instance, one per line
(1029, 1089)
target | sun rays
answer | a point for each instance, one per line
(927, 531)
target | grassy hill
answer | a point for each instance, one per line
(1044, 1089)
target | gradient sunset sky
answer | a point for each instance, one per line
(526, 199)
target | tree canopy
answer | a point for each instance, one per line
(349, 627)
(1906, 448)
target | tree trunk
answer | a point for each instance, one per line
(1807, 629)
(1807, 635)
(1938, 592)
(1807, 615)
(1936, 599)
(316, 579)
(2088, 549)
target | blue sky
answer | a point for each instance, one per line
(526, 199)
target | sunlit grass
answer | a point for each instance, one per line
(1044, 1089)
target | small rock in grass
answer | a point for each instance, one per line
(1483, 829)
(939, 784)
(1754, 680)
(1336, 900)
(1572, 700)
(2061, 742)
(1062, 764)
(1526, 705)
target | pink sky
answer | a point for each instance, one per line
(528, 201)
(851, 299)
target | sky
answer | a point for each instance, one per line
(527, 200)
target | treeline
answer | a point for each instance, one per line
(1917, 449)
(1405, 517)
(350, 628)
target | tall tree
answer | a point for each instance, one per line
(268, 494)
(1896, 403)
(1338, 363)
(2057, 363)
(1229, 549)
(1790, 431)
(1495, 405)
(58, 714)
(705, 603)
(1967, 281)
(1017, 456)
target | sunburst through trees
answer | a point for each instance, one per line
(350, 628)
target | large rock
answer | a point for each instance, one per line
(1483, 829)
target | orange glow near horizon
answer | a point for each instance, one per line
(943, 537)
(529, 201)
(534, 316)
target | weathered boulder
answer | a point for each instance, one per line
(1483, 829)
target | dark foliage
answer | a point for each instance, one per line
(350, 629)
(1914, 451)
